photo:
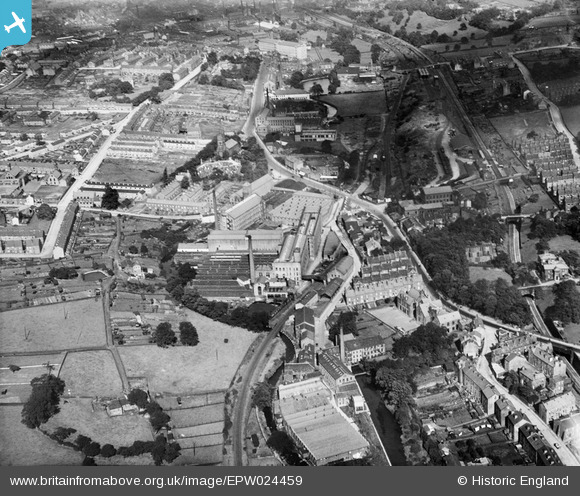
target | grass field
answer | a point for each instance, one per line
(571, 116)
(91, 373)
(119, 431)
(23, 446)
(561, 243)
(519, 125)
(53, 327)
(180, 370)
(489, 274)
(368, 103)
(17, 383)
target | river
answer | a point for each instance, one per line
(385, 422)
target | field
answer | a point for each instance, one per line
(489, 274)
(120, 170)
(91, 373)
(428, 24)
(369, 103)
(53, 327)
(119, 431)
(519, 125)
(180, 370)
(24, 446)
(198, 416)
(17, 383)
(571, 116)
(561, 243)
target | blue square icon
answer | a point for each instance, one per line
(15, 22)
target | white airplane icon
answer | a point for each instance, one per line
(17, 22)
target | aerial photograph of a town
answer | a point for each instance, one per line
(267, 233)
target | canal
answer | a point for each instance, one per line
(385, 422)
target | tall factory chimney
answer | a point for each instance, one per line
(342, 344)
(252, 267)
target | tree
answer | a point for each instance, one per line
(164, 335)
(110, 199)
(157, 417)
(43, 401)
(293, 25)
(92, 449)
(375, 52)
(316, 89)
(566, 306)
(45, 212)
(326, 147)
(203, 78)
(133, 250)
(262, 395)
(419, 26)
(188, 334)
(351, 55)
(138, 397)
(166, 81)
(212, 58)
(108, 450)
(144, 250)
(165, 177)
(296, 79)
(395, 386)
(185, 182)
(82, 441)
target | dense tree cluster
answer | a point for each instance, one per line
(443, 254)
(240, 316)
(283, 444)
(43, 401)
(566, 307)
(138, 397)
(164, 335)
(188, 334)
(247, 67)
(110, 200)
(45, 212)
(169, 238)
(429, 342)
(262, 395)
(63, 273)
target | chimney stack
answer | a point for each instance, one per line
(252, 268)
(342, 345)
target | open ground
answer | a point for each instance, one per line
(60, 326)
(17, 384)
(519, 125)
(91, 373)
(95, 423)
(571, 116)
(24, 446)
(208, 366)
(487, 273)
(368, 103)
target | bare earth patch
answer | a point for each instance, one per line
(60, 326)
(182, 369)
